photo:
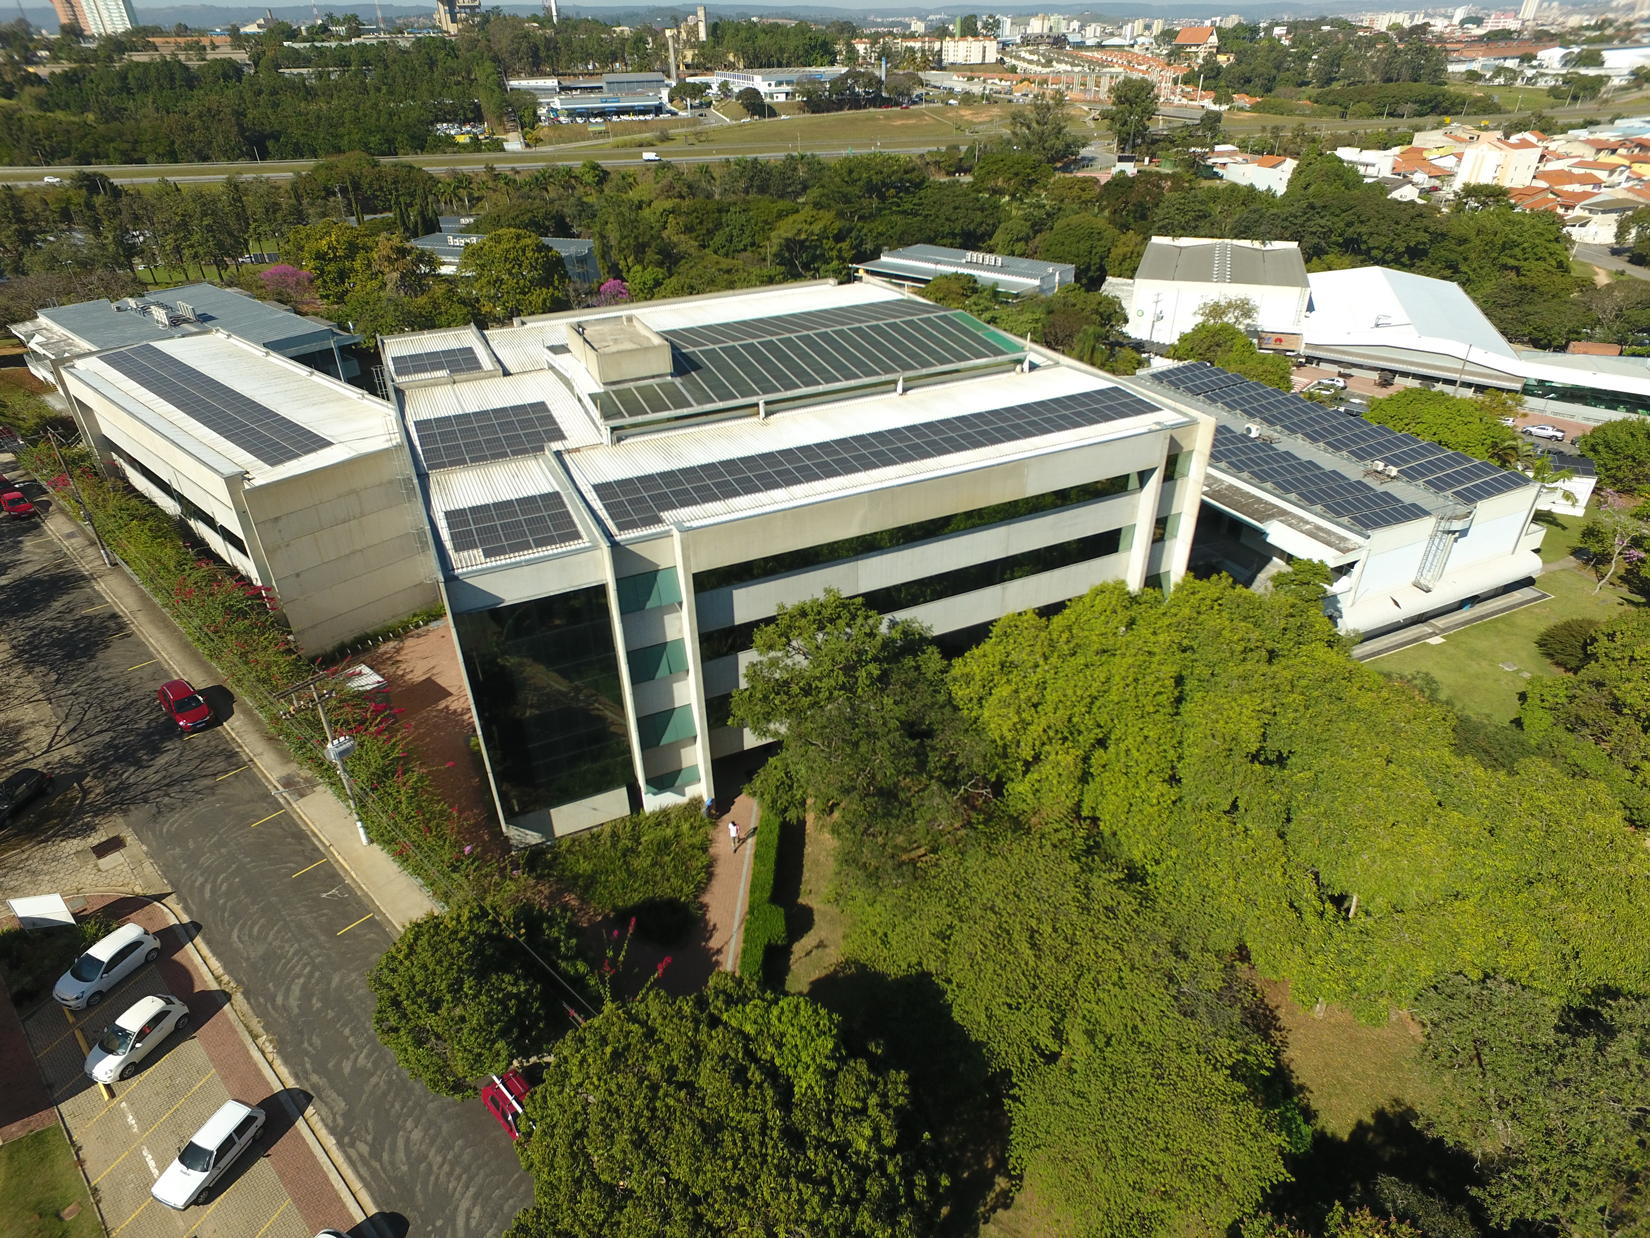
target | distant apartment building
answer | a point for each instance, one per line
(98, 18)
(1500, 161)
(970, 51)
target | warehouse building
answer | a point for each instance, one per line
(598, 97)
(620, 497)
(300, 482)
(1409, 529)
(916, 266)
(1179, 276)
(63, 332)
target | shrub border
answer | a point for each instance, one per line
(764, 922)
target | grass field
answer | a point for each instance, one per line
(38, 1182)
(1469, 666)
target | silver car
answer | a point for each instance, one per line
(133, 1037)
(105, 965)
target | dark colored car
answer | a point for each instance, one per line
(184, 705)
(19, 790)
(503, 1098)
(16, 506)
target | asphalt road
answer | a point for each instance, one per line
(290, 931)
(1602, 256)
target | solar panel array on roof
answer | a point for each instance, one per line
(638, 502)
(1445, 472)
(487, 434)
(259, 431)
(1356, 502)
(438, 361)
(511, 526)
(746, 361)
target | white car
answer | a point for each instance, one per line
(208, 1154)
(132, 1037)
(105, 965)
(1550, 433)
(51, 180)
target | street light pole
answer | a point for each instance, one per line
(79, 498)
(338, 751)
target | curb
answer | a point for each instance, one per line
(737, 941)
(314, 1131)
(228, 727)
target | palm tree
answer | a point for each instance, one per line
(1541, 470)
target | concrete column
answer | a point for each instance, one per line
(696, 680)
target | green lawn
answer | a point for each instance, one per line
(38, 1181)
(1467, 666)
(1563, 532)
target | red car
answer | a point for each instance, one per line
(503, 1100)
(184, 706)
(16, 506)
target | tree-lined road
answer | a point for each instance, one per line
(285, 924)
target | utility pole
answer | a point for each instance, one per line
(79, 498)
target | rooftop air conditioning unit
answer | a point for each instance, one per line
(1392, 470)
(1379, 466)
(1252, 430)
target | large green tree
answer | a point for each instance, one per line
(1222, 344)
(1554, 1103)
(464, 993)
(1621, 451)
(513, 273)
(1133, 107)
(1472, 427)
(732, 1111)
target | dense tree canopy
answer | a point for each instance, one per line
(733, 1111)
(465, 993)
(1470, 426)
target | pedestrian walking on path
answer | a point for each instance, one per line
(733, 833)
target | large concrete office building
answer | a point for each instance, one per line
(1408, 528)
(621, 496)
(63, 332)
(300, 482)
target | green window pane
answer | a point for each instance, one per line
(647, 590)
(665, 727)
(657, 661)
(658, 783)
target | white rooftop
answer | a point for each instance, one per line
(348, 421)
(1379, 307)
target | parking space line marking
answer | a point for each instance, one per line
(302, 871)
(90, 609)
(348, 927)
(135, 1086)
(222, 1195)
(141, 665)
(270, 817)
(149, 1159)
(231, 774)
(131, 1218)
(152, 1129)
(271, 1221)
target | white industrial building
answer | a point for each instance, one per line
(1376, 319)
(916, 266)
(1179, 276)
(620, 497)
(1408, 528)
(775, 85)
(300, 482)
(62, 332)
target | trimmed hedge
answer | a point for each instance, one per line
(764, 922)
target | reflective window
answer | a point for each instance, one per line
(546, 682)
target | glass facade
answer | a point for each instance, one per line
(904, 535)
(724, 641)
(1592, 397)
(545, 676)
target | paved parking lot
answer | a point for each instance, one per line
(126, 1143)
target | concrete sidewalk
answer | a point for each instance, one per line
(1433, 629)
(384, 883)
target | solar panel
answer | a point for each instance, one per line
(488, 434)
(256, 429)
(438, 361)
(1445, 472)
(1357, 502)
(729, 363)
(638, 502)
(511, 526)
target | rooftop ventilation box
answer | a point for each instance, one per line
(619, 350)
